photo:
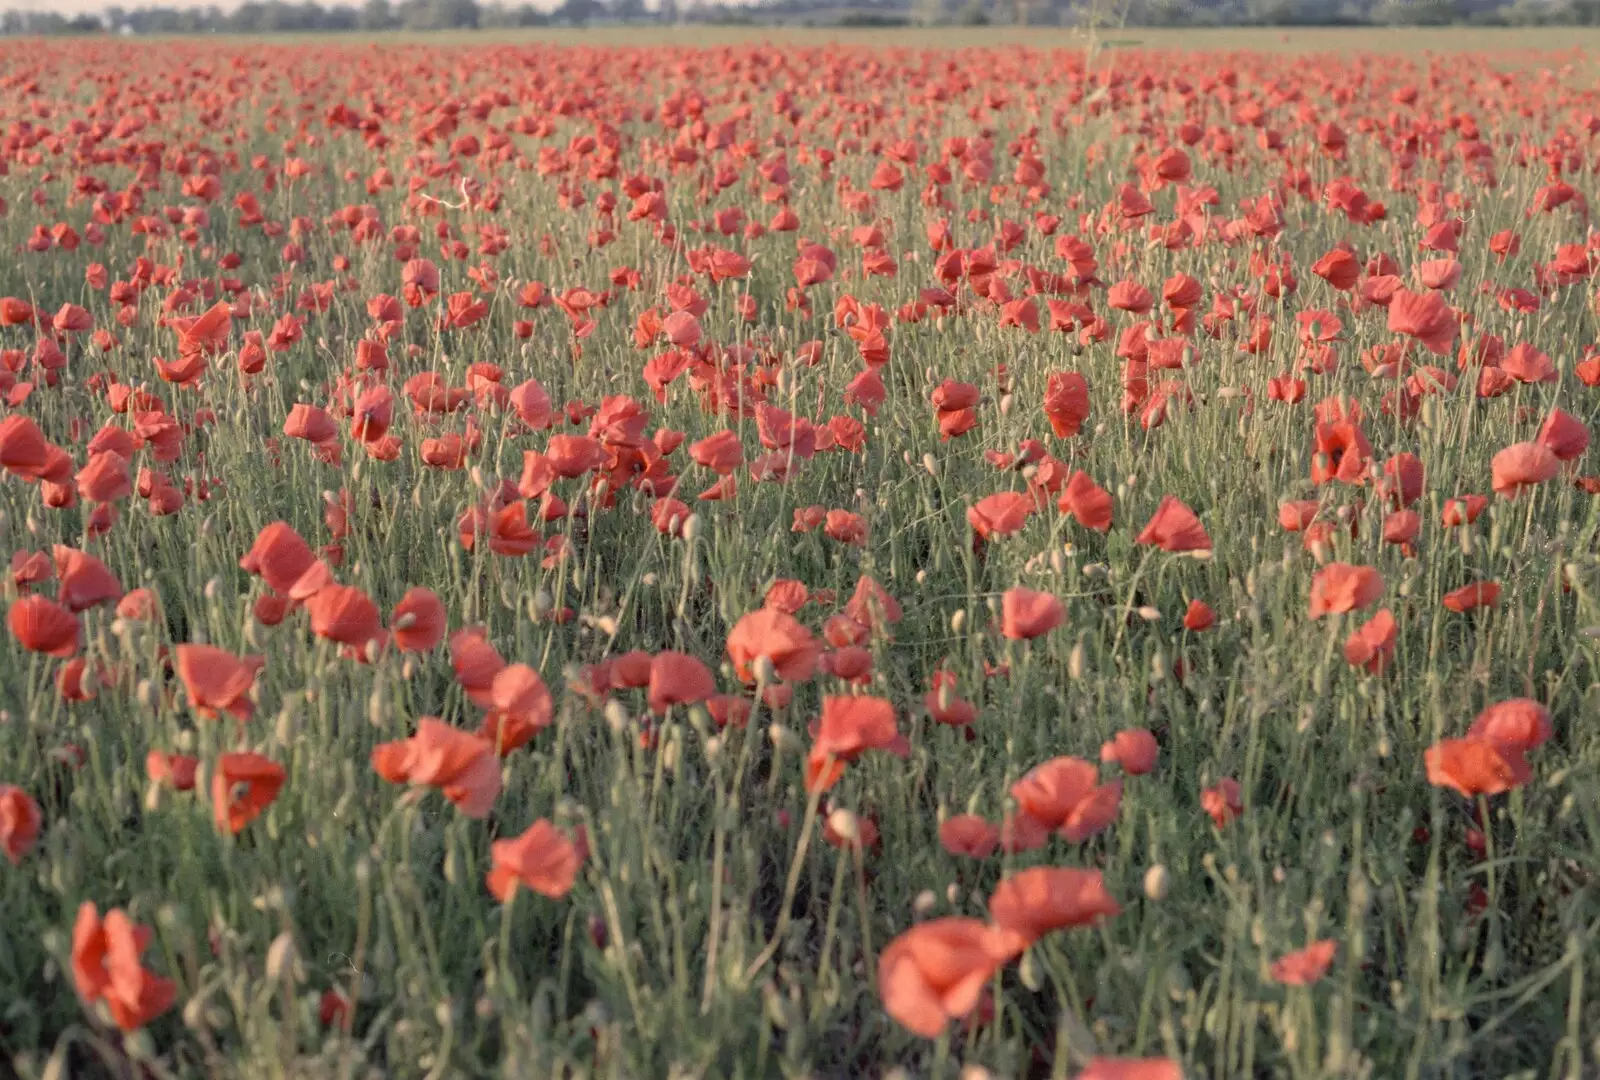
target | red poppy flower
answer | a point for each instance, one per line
(279, 556)
(969, 835)
(418, 622)
(936, 971)
(459, 763)
(1462, 511)
(1513, 728)
(1000, 514)
(1031, 903)
(944, 705)
(1306, 966)
(677, 679)
(42, 625)
(778, 637)
(848, 728)
(1027, 614)
(1066, 402)
(1086, 501)
(1134, 749)
(476, 663)
(85, 580)
(1341, 587)
(1424, 316)
(520, 708)
(1371, 645)
(541, 859)
(345, 614)
(1065, 793)
(105, 479)
(1470, 766)
(1479, 594)
(216, 680)
(1199, 617)
(872, 607)
(106, 967)
(242, 786)
(19, 822)
(1175, 528)
(175, 770)
(138, 605)
(1152, 1068)
(1564, 435)
(1224, 801)
(1522, 466)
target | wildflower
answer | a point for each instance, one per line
(1031, 903)
(106, 967)
(460, 764)
(1027, 614)
(541, 859)
(19, 822)
(1175, 528)
(1306, 966)
(242, 786)
(217, 681)
(936, 971)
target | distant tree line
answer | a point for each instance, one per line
(280, 17)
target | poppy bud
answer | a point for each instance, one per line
(284, 730)
(616, 715)
(844, 823)
(1157, 882)
(283, 962)
(194, 1014)
(766, 673)
(1028, 971)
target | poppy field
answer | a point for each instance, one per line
(798, 560)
